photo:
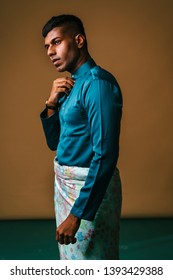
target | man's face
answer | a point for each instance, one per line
(62, 49)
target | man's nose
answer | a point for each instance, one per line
(51, 51)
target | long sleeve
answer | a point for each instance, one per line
(103, 104)
(51, 127)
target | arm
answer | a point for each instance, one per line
(103, 103)
(51, 128)
(50, 118)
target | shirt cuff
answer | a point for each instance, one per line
(44, 117)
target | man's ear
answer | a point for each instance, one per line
(80, 40)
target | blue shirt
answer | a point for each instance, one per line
(85, 133)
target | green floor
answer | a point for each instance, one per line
(141, 239)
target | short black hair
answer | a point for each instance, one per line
(64, 20)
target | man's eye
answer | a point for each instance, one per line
(57, 42)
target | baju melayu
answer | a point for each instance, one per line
(85, 134)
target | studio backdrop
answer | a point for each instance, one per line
(133, 40)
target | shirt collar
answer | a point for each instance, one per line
(90, 63)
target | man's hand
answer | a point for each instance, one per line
(60, 87)
(65, 233)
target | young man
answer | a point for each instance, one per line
(81, 122)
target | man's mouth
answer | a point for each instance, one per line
(55, 61)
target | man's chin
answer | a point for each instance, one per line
(60, 69)
(63, 68)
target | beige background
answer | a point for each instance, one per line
(132, 39)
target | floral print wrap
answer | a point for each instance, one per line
(98, 239)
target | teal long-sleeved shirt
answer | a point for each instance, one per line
(85, 133)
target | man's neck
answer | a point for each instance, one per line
(81, 61)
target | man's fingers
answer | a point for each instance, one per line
(73, 240)
(65, 239)
(62, 87)
(61, 239)
(57, 235)
(65, 82)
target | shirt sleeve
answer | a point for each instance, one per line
(103, 104)
(51, 128)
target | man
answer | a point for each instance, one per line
(81, 122)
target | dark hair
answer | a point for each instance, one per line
(63, 20)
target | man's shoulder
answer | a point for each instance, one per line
(98, 76)
(99, 73)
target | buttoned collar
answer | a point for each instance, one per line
(90, 63)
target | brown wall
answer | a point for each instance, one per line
(132, 39)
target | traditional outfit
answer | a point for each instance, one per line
(85, 134)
